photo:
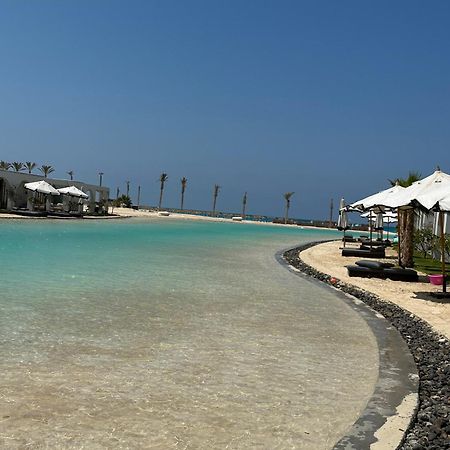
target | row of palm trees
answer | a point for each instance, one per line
(30, 166)
(164, 177)
(47, 169)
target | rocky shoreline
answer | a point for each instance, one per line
(431, 352)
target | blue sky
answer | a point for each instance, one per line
(324, 98)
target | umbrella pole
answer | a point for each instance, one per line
(387, 237)
(370, 228)
(441, 228)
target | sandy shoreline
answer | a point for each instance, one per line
(128, 213)
(413, 297)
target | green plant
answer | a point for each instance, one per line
(215, 194)
(46, 170)
(424, 241)
(447, 246)
(124, 201)
(162, 179)
(30, 166)
(287, 196)
(17, 166)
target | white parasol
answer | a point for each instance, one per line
(73, 191)
(41, 186)
(377, 201)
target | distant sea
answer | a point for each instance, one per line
(173, 334)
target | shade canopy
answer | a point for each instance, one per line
(427, 192)
(41, 186)
(388, 216)
(377, 201)
(73, 191)
(436, 197)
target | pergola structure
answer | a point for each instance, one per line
(13, 194)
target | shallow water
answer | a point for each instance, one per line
(172, 334)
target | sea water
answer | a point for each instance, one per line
(172, 334)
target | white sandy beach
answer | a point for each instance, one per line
(413, 297)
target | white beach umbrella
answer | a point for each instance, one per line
(41, 186)
(377, 201)
(388, 216)
(342, 223)
(73, 191)
(436, 197)
(427, 190)
(343, 216)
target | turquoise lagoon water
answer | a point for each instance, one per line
(172, 334)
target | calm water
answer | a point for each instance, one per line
(172, 335)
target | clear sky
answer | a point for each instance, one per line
(324, 98)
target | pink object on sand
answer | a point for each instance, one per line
(436, 279)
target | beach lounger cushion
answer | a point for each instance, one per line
(394, 274)
(375, 243)
(364, 252)
(373, 264)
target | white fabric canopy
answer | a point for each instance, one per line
(437, 195)
(343, 216)
(427, 192)
(41, 186)
(73, 191)
(388, 216)
(377, 200)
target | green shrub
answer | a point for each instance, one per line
(424, 241)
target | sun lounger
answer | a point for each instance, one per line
(393, 273)
(375, 243)
(365, 252)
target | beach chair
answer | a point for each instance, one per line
(366, 252)
(377, 269)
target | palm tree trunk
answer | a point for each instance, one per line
(214, 206)
(160, 197)
(182, 201)
(287, 212)
(406, 243)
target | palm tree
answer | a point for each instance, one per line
(244, 204)
(100, 178)
(162, 178)
(287, 196)
(17, 166)
(70, 173)
(405, 224)
(46, 170)
(215, 194)
(5, 165)
(30, 166)
(183, 188)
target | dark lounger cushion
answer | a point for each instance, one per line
(395, 274)
(366, 253)
(373, 264)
